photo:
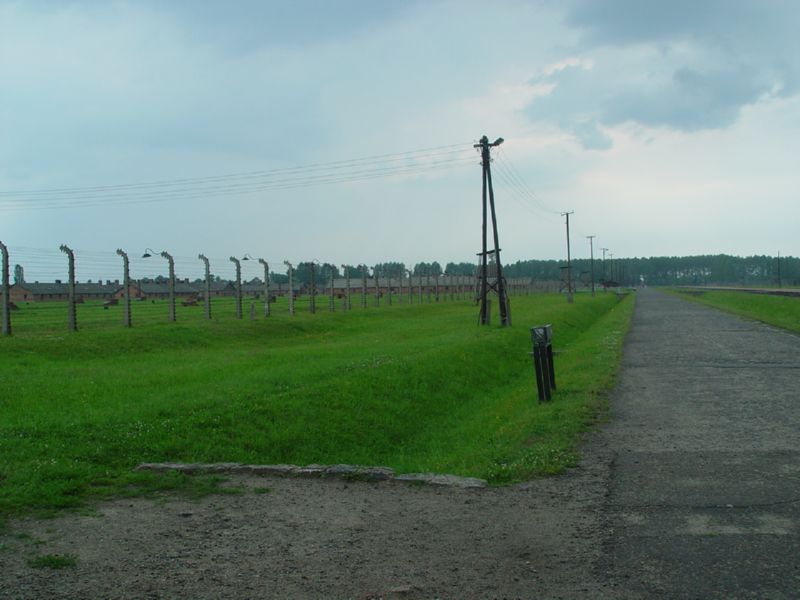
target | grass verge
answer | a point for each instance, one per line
(416, 388)
(781, 311)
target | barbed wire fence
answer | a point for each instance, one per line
(134, 289)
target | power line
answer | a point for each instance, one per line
(517, 176)
(375, 159)
(234, 189)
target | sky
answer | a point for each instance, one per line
(343, 131)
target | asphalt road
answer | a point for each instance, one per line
(704, 492)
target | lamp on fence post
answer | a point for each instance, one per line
(238, 264)
(6, 292)
(207, 294)
(72, 317)
(291, 288)
(266, 286)
(126, 284)
(346, 272)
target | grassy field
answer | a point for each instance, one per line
(417, 388)
(781, 311)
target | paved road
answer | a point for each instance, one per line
(704, 496)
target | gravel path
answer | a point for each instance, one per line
(690, 491)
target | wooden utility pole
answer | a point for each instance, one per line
(499, 285)
(604, 267)
(569, 259)
(591, 259)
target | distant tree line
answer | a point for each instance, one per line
(717, 269)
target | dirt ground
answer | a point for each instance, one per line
(691, 491)
(312, 538)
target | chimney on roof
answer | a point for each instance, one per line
(58, 282)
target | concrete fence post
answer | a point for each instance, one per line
(428, 285)
(376, 277)
(331, 296)
(238, 264)
(207, 295)
(170, 284)
(363, 287)
(72, 317)
(266, 286)
(6, 292)
(126, 286)
(347, 291)
(291, 288)
(312, 303)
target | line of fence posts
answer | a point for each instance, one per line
(127, 317)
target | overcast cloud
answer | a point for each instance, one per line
(669, 127)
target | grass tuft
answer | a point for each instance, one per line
(53, 561)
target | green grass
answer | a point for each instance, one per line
(781, 311)
(53, 561)
(416, 388)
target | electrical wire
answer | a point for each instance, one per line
(147, 196)
(333, 165)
